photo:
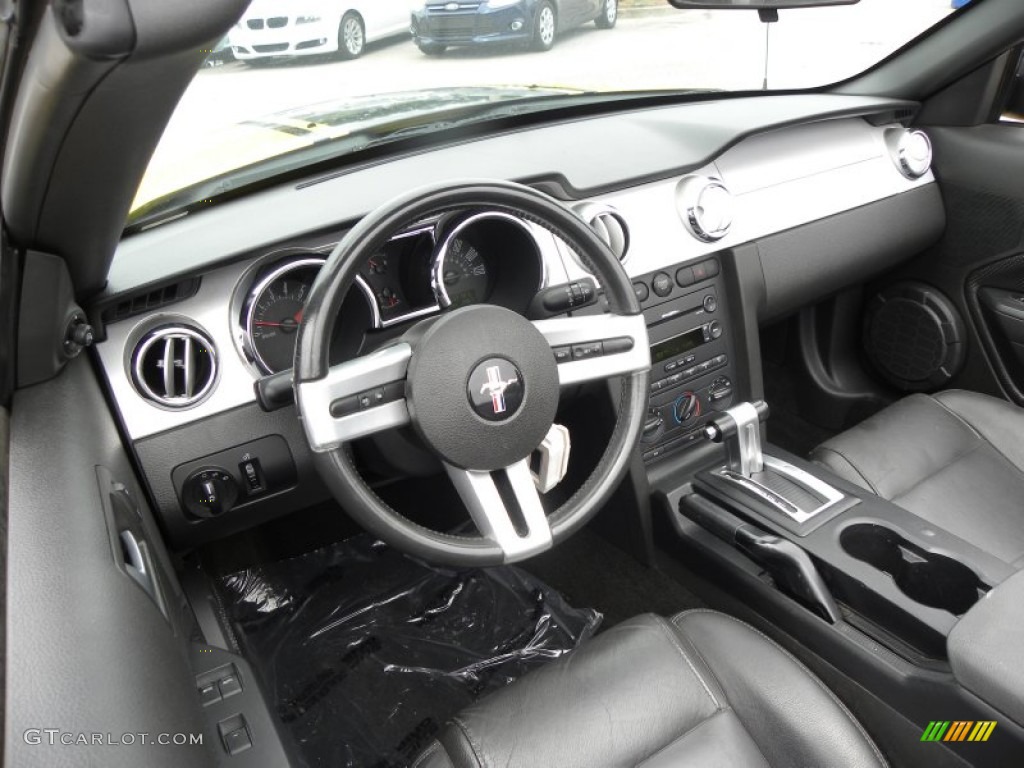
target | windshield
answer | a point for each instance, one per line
(298, 81)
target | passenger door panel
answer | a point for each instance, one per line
(980, 257)
(979, 169)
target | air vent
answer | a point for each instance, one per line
(911, 151)
(609, 225)
(174, 366)
(705, 206)
(150, 300)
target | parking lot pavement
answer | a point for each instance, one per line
(664, 48)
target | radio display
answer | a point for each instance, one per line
(677, 345)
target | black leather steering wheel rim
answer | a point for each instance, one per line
(312, 363)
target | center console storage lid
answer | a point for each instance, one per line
(985, 648)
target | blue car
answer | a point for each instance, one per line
(439, 24)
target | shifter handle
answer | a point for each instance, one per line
(723, 425)
(740, 429)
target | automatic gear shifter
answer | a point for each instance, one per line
(740, 429)
(765, 481)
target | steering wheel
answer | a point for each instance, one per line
(479, 385)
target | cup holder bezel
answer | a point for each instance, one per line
(927, 577)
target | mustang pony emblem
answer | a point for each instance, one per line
(495, 386)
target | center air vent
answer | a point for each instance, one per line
(609, 226)
(174, 366)
(705, 206)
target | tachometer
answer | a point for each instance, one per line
(274, 308)
(275, 311)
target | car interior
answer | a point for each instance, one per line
(681, 429)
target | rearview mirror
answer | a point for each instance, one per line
(754, 5)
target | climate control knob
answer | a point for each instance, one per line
(653, 426)
(720, 393)
(686, 408)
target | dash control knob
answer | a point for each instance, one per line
(209, 492)
(652, 426)
(662, 284)
(686, 408)
(720, 393)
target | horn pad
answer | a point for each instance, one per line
(482, 387)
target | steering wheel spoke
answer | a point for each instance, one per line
(356, 398)
(591, 347)
(521, 532)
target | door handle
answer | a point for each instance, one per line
(136, 562)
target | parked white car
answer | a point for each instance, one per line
(279, 28)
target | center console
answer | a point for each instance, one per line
(898, 604)
(692, 355)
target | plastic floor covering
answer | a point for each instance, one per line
(365, 652)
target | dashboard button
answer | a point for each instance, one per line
(585, 351)
(662, 284)
(669, 367)
(710, 303)
(684, 276)
(641, 291)
(700, 272)
(252, 475)
(716, 330)
(617, 345)
(653, 454)
(711, 265)
(562, 354)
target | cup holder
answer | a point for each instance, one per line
(925, 577)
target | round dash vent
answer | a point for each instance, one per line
(174, 366)
(609, 226)
(911, 151)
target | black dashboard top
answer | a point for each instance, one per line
(664, 141)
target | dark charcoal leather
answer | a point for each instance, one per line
(955, 459)
(702, 689)
(985, 646)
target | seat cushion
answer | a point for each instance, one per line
(700, 689)
(955, 459)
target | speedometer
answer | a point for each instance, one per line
(462, 275)
(275, 311)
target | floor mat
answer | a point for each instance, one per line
(366, 652)
(589, 570)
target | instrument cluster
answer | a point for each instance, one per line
(457, 260)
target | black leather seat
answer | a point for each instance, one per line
(955, 459)
(701, 689)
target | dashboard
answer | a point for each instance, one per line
(460, 259)
(720, 221)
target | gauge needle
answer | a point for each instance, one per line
(263, 322)
(298, 316)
